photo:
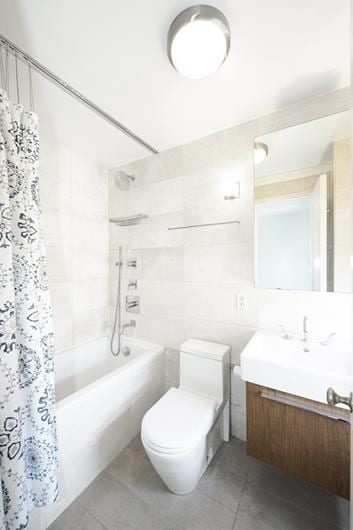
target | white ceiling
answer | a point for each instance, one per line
(114, 51)
(303, 146)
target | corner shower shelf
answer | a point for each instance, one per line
(128, 220)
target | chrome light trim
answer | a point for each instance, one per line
(200, 12)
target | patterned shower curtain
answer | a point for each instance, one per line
(28, 443)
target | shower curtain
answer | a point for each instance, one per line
(28, 443)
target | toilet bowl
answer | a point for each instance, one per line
(183, 431)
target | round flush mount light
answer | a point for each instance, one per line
(260, 152)
(198, 41)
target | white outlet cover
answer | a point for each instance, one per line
(241, 302)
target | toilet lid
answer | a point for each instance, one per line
(177, 421)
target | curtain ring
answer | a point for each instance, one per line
(17, 83)
(30, 86)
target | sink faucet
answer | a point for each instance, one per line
(305, 330)
(130, 324)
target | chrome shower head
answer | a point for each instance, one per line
(122, 180)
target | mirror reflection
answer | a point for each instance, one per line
(303, 206)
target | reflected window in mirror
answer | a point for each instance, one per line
(303, 209)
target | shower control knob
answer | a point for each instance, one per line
(334, 399)
(131, 263)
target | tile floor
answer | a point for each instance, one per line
(236, 493)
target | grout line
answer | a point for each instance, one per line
(84, 343)
(188, 317)
(90, 513)
(197, 282)
(287, 500)
(241, 496)
(224, 506)
(164, 514)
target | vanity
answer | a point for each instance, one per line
(289, 423)
(303, 215)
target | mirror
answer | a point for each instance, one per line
(303, 202)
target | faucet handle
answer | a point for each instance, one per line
(327, 340)
(284, 332)
(132, 304)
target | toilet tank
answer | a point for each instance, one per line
(205, 368)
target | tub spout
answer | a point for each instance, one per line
(130, 324)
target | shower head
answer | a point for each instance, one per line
(122, 180)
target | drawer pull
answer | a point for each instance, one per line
(334, 399)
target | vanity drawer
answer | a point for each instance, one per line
(298, 436)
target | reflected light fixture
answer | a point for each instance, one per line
(260, 152)
(198, 41)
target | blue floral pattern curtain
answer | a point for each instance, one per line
(28, 443)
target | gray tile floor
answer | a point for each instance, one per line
(236, 493)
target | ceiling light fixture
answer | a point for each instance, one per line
(198, 41)
(260, 152)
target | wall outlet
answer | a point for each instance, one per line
(242, 302)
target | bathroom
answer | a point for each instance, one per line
(192, 289)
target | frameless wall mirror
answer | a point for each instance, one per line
(303, 216)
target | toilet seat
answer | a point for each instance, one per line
(178, 421)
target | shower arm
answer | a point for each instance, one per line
(66, 87)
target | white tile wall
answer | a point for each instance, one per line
(162, 264)
(223, 263)
(189, 279)
(90, 324)
(227, 333)
(161, 297)
(172, 360)
(153, 232)
(74, 202)
(159, 328)
(158, 198)
(327, 312)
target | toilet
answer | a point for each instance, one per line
(183, 431)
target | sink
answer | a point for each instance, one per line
(298, 368)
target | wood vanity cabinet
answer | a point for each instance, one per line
(307, 444)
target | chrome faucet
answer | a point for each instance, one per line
(130, 324)
(305, 330)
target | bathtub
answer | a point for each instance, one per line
(101, 401)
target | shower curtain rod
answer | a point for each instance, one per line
(66, 87)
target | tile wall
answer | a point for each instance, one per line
(189, 280)
(74, 204)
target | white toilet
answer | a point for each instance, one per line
(182, 432)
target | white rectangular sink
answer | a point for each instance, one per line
(283, 364)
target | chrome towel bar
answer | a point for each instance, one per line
(292, 402)
(203, 224)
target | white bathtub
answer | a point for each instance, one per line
(101, 402)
